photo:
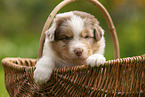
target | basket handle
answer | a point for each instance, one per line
(104, 12)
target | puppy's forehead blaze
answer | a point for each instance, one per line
(75, 25)
(81, 26)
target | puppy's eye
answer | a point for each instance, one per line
(86, 37)
(67, 38)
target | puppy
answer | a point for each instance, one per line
(75, 38)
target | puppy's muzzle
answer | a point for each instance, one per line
(78, 52)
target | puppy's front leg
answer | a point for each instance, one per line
(44, 69)
(95, 60)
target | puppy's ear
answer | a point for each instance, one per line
(50, 32)
(98, 32)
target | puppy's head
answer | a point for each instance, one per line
(74, 36)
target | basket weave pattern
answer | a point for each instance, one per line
(121, 77)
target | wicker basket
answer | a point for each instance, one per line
(119, 77)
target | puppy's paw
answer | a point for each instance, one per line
(95, 60)
(41, 76)
(43, 71)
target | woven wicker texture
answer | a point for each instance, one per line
(121, 77)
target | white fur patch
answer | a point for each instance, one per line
(44, 69)
(96, 60)
(76, 24)
(102, 46)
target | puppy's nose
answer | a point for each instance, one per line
(78, 52)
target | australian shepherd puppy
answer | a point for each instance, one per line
(75, 38)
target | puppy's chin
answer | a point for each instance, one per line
(75, 62)
(71, 60)
(79, 61)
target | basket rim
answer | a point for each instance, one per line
(10, 62)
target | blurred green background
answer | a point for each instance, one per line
(21, 22)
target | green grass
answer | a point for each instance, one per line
(3, 91)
